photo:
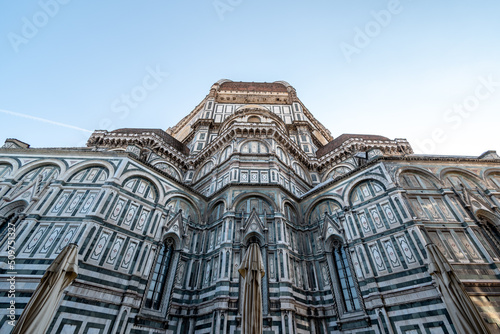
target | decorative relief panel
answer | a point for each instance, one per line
(391, 253)
(74, 201)
(115, 250)
(51, 239)
(377, 257)
(444, 209)
(389, 213)
(356, 264)
(405, 247)
(35, 239)
(87, 204)
(100, 246)
(379, 224)
(60, 202)
(117, 209)
(429, 206)
(364, 223)
(142, 219)
(132, 210)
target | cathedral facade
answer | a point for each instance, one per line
(162, 220)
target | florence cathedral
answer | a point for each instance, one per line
(351, 233)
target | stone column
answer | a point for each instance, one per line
(285, 265)
(265, 279)
(290, 322)
(217, 322)
(224, 321)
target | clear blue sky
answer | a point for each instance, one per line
(427, 71)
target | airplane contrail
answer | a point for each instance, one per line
(44, 120)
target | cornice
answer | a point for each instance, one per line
(376, 160)
(183, 122)
(353, 145)
(252, 130)
(149, 140)
(62, 151)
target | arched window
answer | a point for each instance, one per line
(225, 154)
(90, 175)
(416, 181)
(254, 147)
(142, 187)
(345, 278)
(45, 172)
(5, 171)
(204, 170)
(260, 205)
(169, 169)
(336, 172)
(188, 212)
(217, 212)
(327, 206)
(282, 155)
(365, 191)
(494, 179)
(156, 290)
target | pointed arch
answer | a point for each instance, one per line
(449, 172)
(189, 208)
(125, 177)
(204, 170)
(427, 181)
(14, 164)
(240, 198)
(317, 209)
(21, 172)
(282, 155)
(492, 177)
(348, 192)
(301, 171)
(169, 169)
(481, 213)
(336, 171)
(73, 170)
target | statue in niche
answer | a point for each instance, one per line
(299, 277)
(187, 240)
(211, 242)
(219, 235)
(207, 276)
(216, 268)
(325, 275)
(319, 244)
(180, 273)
